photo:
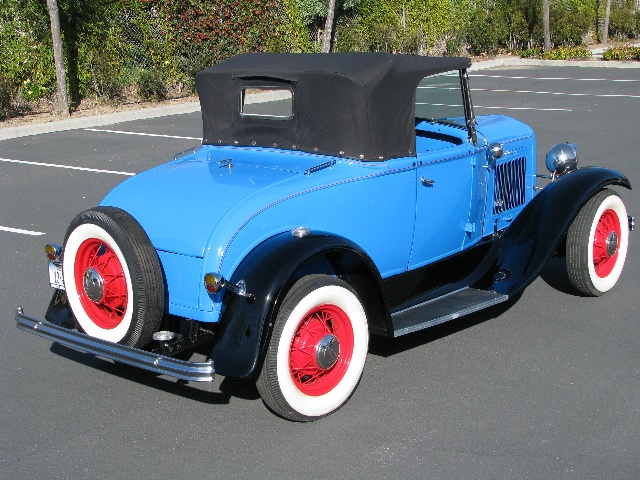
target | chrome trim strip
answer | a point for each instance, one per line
(185, 370)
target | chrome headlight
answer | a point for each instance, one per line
(562, 158)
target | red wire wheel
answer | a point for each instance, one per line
(113, 278)
(597, 243)
(317, 350)
(98, 273)
(605, 243)
(321, 350)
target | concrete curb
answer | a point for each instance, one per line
(536, 62)
(97, 120)
(145, 113)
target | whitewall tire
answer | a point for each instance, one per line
(317, 351)
(113, 277)
(597, 243)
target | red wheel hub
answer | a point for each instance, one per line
(100, 283)
(321, 350)
(605, 243)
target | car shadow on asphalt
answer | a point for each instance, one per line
(200, 392)
(555, 275)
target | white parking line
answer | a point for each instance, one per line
(18, 230)
(568, 94)
(540, 92)
(528, 108)
(122, 132)
(502, 108)
(69, 167)
(514, 77)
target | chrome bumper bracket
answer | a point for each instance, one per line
(182, 369)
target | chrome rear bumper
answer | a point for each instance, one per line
(185, 370)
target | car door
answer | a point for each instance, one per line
(451, 170)
(450, 199)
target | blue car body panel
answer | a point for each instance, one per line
(226, 200)
(220, 214)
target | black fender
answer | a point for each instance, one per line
(536, 233)
(269, 270)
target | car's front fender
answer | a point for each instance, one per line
(538, 230)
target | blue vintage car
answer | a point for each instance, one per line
(325, 205)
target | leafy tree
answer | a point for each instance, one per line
(155, 46)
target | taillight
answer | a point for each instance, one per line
(213, 282)
(53, 252)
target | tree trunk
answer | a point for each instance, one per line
(546, 25)
(328, 27)
(607, 12)
(62, 102)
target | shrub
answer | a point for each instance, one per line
(623, 23)
(109, 43)
(560, 53)
(567, 53)
(6, 97)
(615, 53)
(531, 52)
(498, 25)
(405, 26)
(31, 91)
(100, 77)
(622, 53)
(484, 34)
(568, 27)
(150, 86)
(25, 48)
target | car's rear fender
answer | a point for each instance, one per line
(268, 272)
(537, 232)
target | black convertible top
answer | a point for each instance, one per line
(358, 105)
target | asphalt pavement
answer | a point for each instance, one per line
(545, 387)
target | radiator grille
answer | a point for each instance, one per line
(509, 185)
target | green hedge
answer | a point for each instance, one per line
(153, 48)
(622, 53)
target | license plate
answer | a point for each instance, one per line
(55, 276)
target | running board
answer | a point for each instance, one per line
(442, 309)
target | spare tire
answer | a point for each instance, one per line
(113, 277)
